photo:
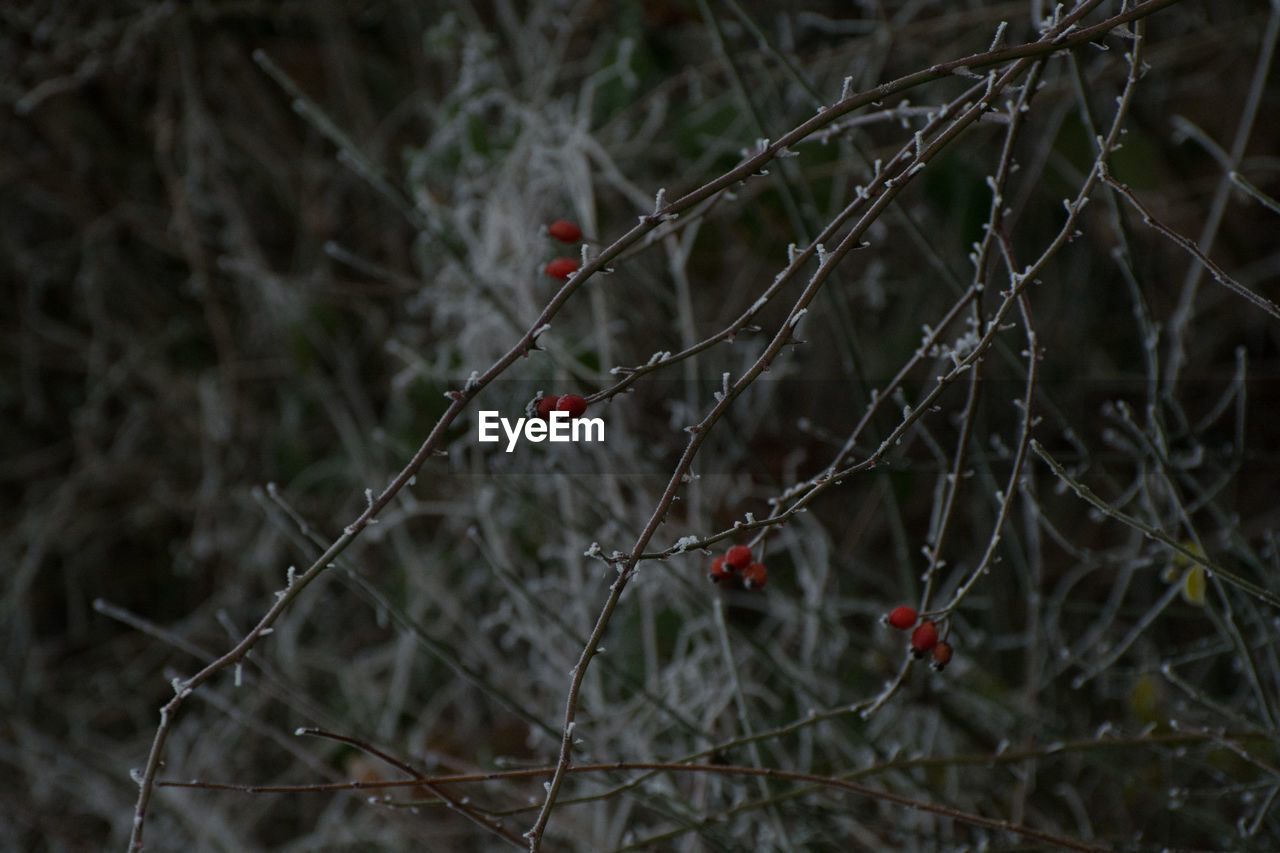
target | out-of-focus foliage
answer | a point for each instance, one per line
(212, 283)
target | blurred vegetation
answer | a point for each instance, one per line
(213, 283)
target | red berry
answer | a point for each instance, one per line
(574, 404)
(720, 571)
(565, 231)
(562, 268)
(903, 617)
(546, 406)
(923, 638)
(739, 556)
(754, 576)
(941, 656)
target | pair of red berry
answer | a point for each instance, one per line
(924, 639)
(565, 232)
(574, 404)
(736, 567)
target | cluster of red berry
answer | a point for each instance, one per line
(736, 568)
(924, 639)
(565, 232)
(574, 404)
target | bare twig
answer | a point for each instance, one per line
(1219, 274)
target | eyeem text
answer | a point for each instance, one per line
(560, 427)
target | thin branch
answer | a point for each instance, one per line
(1087, 494)
(723, 770)
(460, 806)
(1219, 274)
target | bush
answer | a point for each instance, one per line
(980, 327)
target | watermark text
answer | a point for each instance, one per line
(559, 427)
